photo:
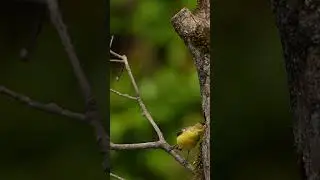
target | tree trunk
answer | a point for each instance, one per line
(299, 27)
(194, 30)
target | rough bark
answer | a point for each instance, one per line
(194, 29)
(299, 25)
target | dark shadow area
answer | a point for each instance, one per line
(37, 145)
(251, 124)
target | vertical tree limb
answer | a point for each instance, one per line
(194, 29)
(299, 26)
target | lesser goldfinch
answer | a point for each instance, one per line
(188, 137)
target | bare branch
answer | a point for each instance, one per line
(116, 54)
(142, 105)
(111, 41)
(154, 145)
(116, 176)
(147, 145)
(161, 144)
(57, 21)
(123, 95)
(165, 146)
(50, 107)
(92, 113)
(116, 60)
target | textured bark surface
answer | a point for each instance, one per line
(299, 25)
(194, 30)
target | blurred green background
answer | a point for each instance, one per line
(35, 145)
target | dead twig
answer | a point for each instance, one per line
(162, 143)
(116, 176)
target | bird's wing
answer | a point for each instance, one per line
(181, 131)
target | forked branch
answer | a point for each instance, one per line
(162, 143)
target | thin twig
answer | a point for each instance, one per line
(161, 144)
(147, 145)
(123, 95)
(57, 21)
(111, 41)
(165, 146)
(92, 113)
(116, 176)
(116, 60)
(116, 54)
(154, 145)
(50, 107)
(141, 104)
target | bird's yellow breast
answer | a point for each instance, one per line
(188, 139)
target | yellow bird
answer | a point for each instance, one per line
(189, 137)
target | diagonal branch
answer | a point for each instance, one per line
(146, 113)
(50, 107)
(166, 147)
(122, 94)
(57, 21)
(116, 176)
(161, 144)
(92, 113)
